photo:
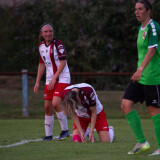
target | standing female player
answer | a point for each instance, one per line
(52, 56)
(82, 104)
(145, 82)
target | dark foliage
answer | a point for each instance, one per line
(99, 36)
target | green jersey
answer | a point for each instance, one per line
(149, 37)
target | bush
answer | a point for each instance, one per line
(99, 36)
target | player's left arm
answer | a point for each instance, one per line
(93, 122)
(137, 75)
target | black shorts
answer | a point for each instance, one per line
(137, 92)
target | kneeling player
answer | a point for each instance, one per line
(82, 104)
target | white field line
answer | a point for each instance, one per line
(25, 141)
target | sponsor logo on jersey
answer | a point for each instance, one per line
(48, 64)
(61, 48)
(154, 101)
(61, 51)
(144, 34)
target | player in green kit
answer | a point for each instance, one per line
(145, 82)
(149, 37)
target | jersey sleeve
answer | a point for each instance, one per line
(60, 49)
(92, 97)
(40, 59)
(152, 35)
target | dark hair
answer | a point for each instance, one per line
(74, 95)
(41, 27)
(146, 3)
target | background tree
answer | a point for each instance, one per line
(100, 36)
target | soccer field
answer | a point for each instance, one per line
(14, 131)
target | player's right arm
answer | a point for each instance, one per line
(41, 68)
(77, 123)
(93, 122)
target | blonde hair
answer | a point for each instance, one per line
(69, 104)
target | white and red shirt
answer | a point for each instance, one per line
(51, 56)
(88, 98)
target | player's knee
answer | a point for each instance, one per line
(124, 106)
(56, 106)
(48, 110)
(104, 136)
(153, 110)
(76, 138)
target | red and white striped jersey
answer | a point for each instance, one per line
(88, 98)
(51, 56)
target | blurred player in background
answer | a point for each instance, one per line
(81, 103)
(52, 56)
(145, 82)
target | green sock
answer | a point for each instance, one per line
(156, 121)
(135, 124)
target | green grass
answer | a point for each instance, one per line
(13, 131)
(11, 104)
(15, 128)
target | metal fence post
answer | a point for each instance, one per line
(25, 92)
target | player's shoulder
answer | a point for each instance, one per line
(57, 41)
(154, 28)
(41, 44)
(153, 25)
(86, 88)
(80, 85)
(153, 22)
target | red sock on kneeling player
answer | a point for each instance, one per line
(76, 138)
